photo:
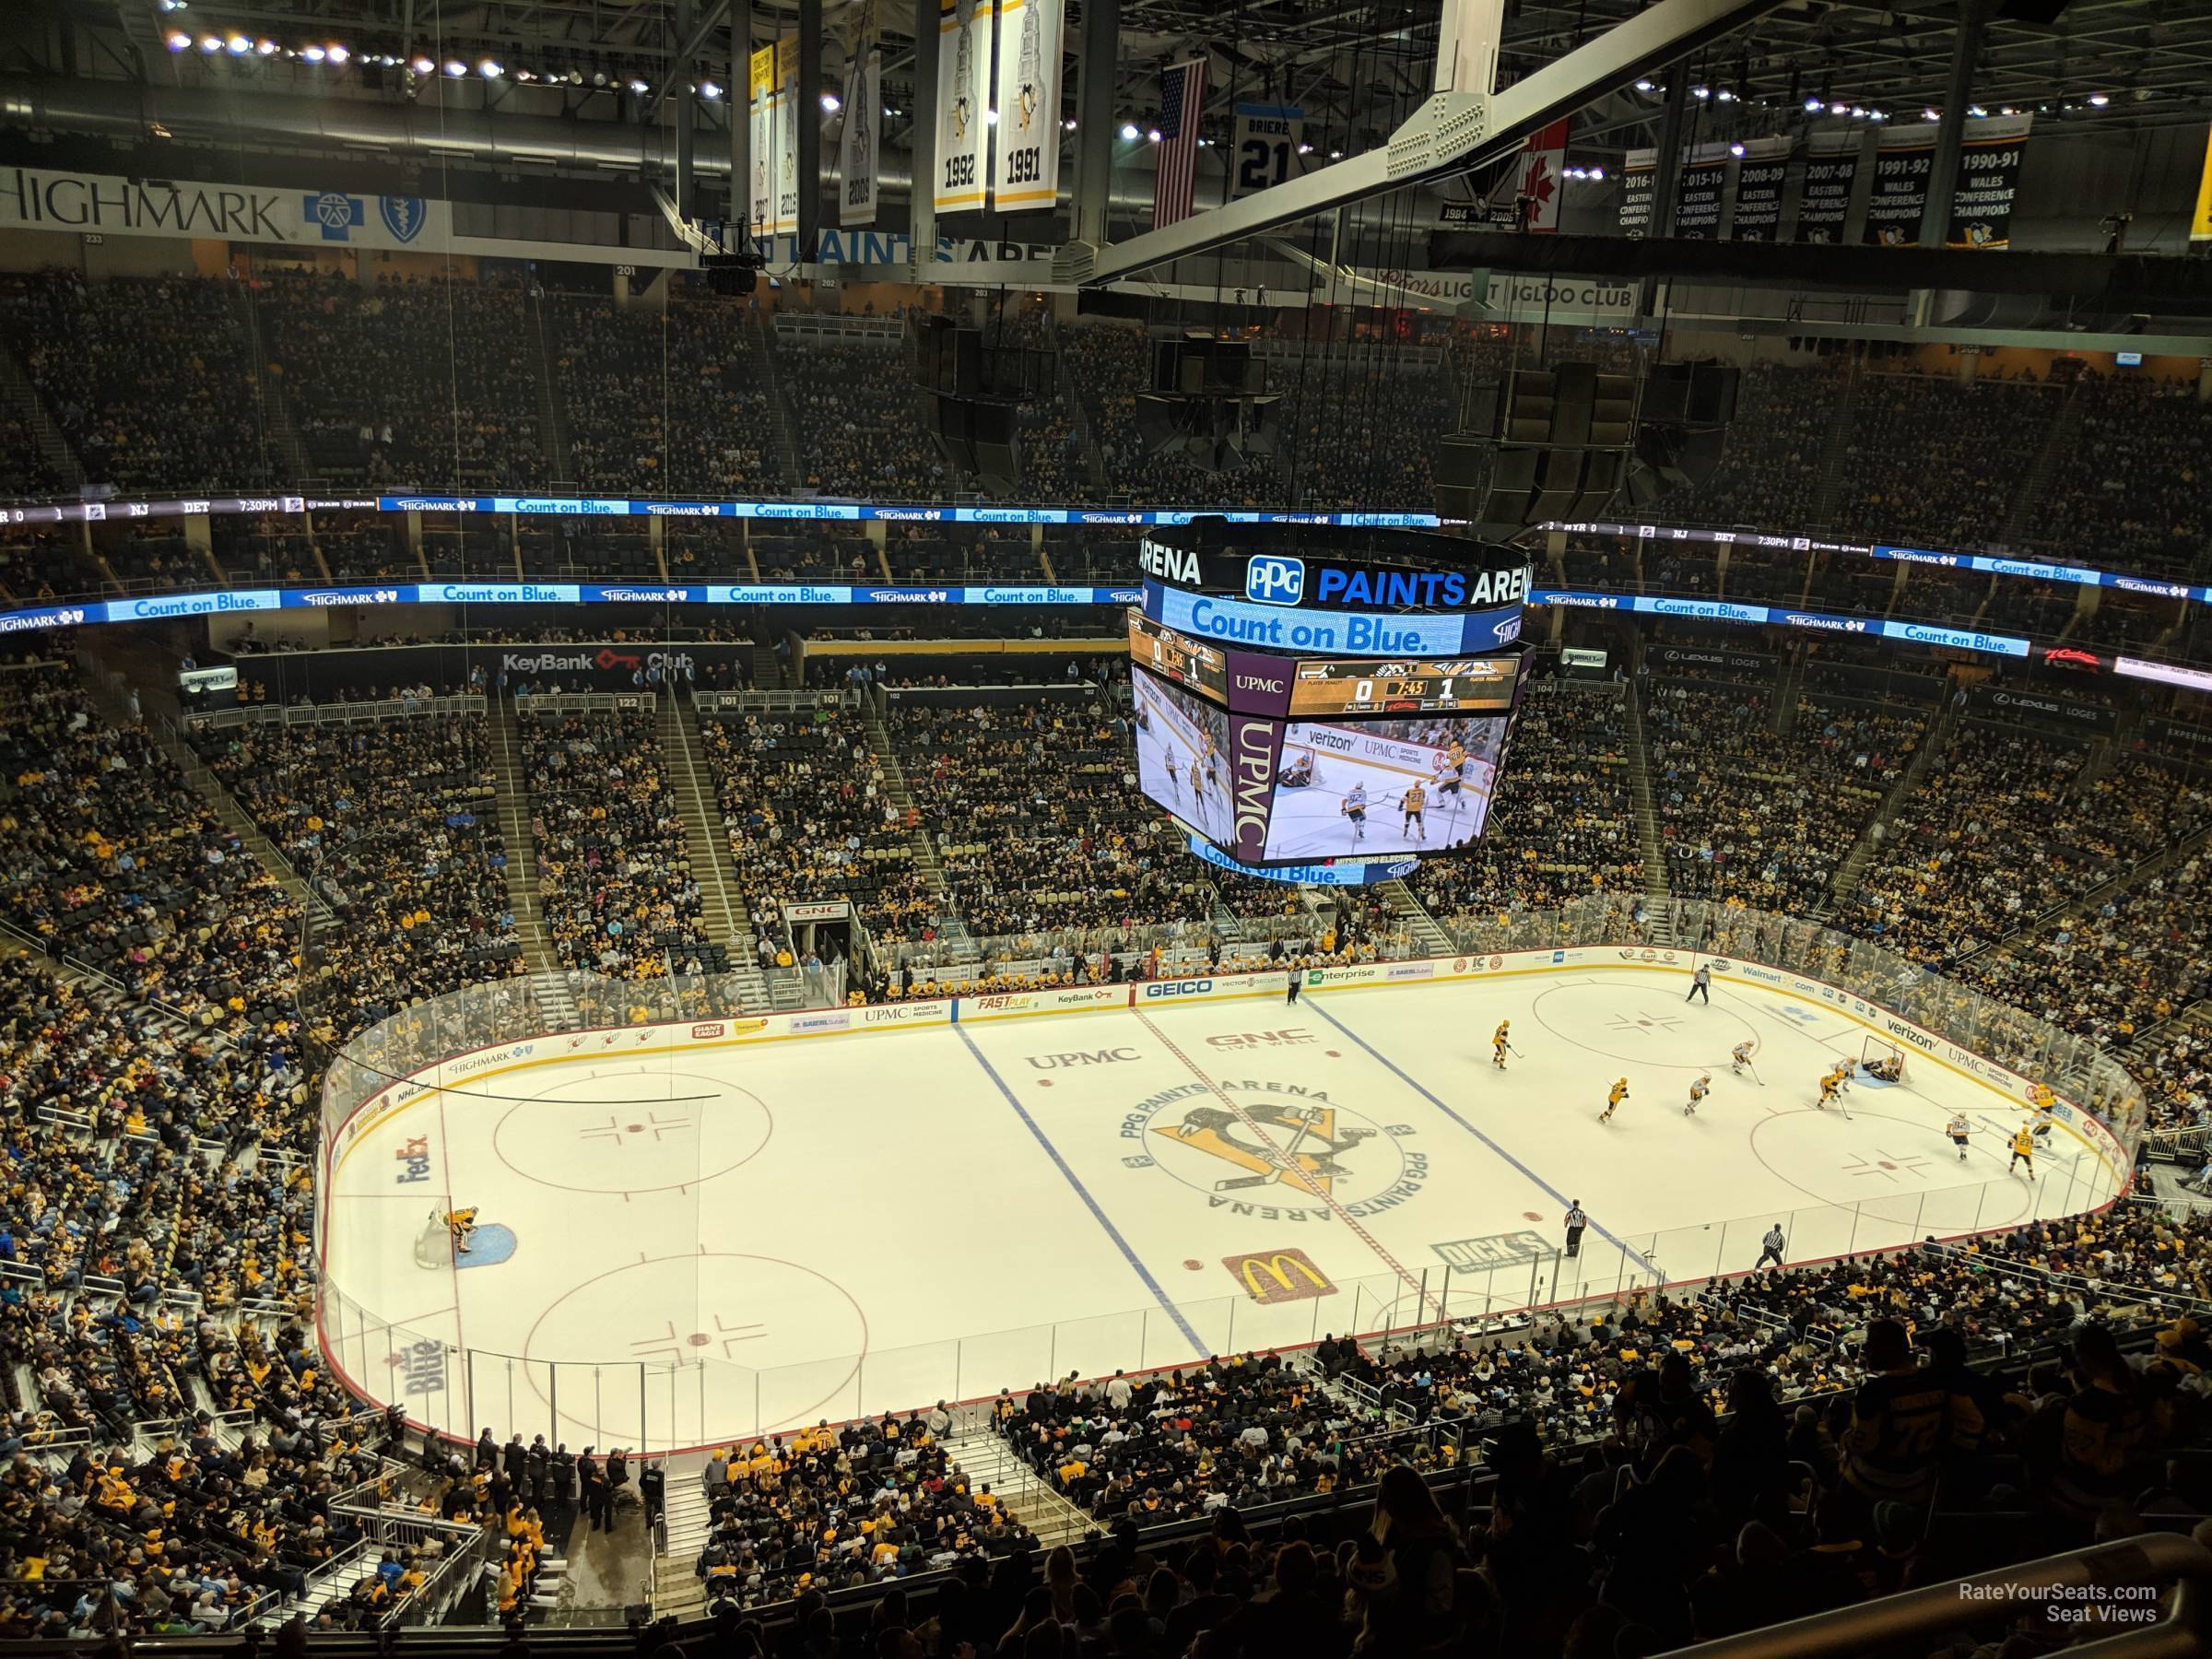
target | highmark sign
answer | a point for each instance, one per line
(36, 199)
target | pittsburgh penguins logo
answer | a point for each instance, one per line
(1271, 1145)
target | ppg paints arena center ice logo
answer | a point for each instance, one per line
(1274, 1150)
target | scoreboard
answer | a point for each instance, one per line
(1179, 657)
(1320, 688)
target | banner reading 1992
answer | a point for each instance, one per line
(963, 85)
(1025, 160)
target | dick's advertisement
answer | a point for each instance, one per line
(963, 79)
(1989, 178)
(1901, 166)
(1025, 158)
(1636, 181)
(1831, 172)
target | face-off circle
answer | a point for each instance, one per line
(706, 1127)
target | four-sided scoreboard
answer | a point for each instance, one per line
(1316, 703)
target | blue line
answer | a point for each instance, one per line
(1556, 1196)
(1052, 1152)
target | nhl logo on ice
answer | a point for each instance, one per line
(1272, 579)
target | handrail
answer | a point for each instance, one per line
(2107, 1576)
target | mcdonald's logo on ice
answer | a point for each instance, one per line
(1279, 1276)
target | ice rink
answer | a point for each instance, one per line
(686, 1247)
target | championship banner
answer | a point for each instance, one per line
(2200, 227)
(1638, 176)
(786, 220)
(1758, 184)
(1989, 178)
(1025, 160)
(862, 140)
(760, 120)
(963, 78)
(1534, 179)
(1266, 146)
(1698, 191)
(1831, 171)
(1901, 167)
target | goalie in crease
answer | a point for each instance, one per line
(461, 1225)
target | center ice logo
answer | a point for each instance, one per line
(1288, 1153)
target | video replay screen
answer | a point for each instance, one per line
(1383, 787)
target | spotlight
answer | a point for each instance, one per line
(239, 45)
(211, 43)
(1725, 96)
(830, 104)
(314, 54)
(638, 86)
(599, 78)
(1976, 110)
(489, 69)
(1334, 155)
(1735, 149)
(177, 40)
(455, 68)
(710, 89)
(1129, 130)
(1644, 86)
(1931, 114)
(1877, 115)
(1305, 150)
(267, 47)
(1598, 173)
(1067, 126)
(1700, 91)
(990, 117)
(1813, 106)
(1151, 135)
(2098, 100)
(337, 53)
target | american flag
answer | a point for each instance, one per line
(1182, 96)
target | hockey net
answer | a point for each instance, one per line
(1880, 1057)
(434, 1244)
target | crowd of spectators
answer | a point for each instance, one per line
(861, 427)
(809, 816)
(394, 824)
(614, 870)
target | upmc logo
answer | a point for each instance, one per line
(1274, 579)
(1082, 1057)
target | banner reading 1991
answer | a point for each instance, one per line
(1025, 160)
(963, 84)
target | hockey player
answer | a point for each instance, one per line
(2023, 1151)
(2041, 1124)
(1958, 1129)
(1614, 1097)
(1414, 803)
(2042, 1096)
(1699, 1090)
(1828, 1088)
(1355, 808)
(460, 1223)
(1451, 774)
(1740, 1055)
(1174, 774)
(1499, 1040)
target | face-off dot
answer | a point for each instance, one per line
(1196, 1266)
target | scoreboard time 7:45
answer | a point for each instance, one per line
(1326, 686)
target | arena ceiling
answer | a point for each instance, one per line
(1357, 66)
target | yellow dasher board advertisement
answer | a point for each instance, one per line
(1025, 162)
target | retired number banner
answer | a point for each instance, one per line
(963, 79)
(760, 120)
(1025, 160)
(862, 140)
(1264, 148)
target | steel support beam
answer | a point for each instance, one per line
(1452, 133)
(808, 115)
(920, 202)
(693, 40)
(1094, 118)
(687, 118)
(1950, 127)
(739, 82)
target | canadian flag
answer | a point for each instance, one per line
(1535, 176)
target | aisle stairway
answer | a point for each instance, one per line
(954, 942)
(1844, 882)
(1647, 824)
(1429, 938)
(988, 1461)
(722, 911)
(522, 845)
(235, 818)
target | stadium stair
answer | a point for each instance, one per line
(722, 910)
(522, 850)
(1647, 821)
(2028, 499)
(1429, 937)
(1845, 881)
(787, 418)
(987, 1460)
(1829, 490)
(2090, 898)
(21, 399)
(234, 817)
(560, 460)
(1078, 413)
(954, 942)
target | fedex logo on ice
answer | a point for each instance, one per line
(1272, 579)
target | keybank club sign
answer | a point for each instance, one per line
(34, 199)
